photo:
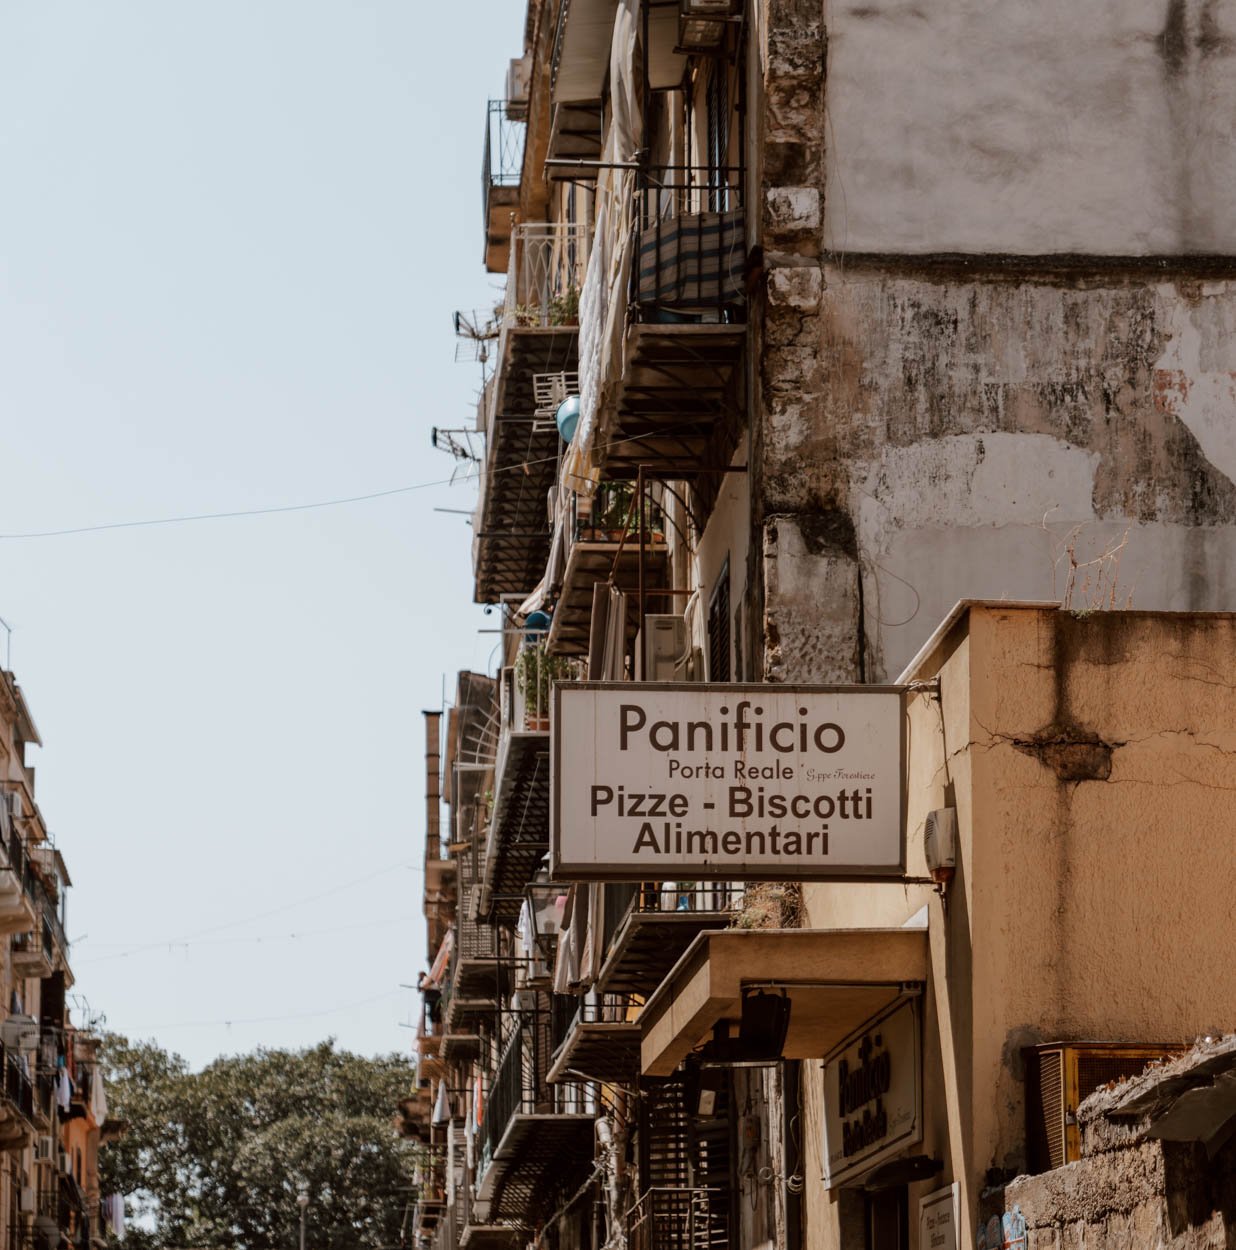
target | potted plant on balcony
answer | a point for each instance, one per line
(564, 308)
(611, 510)
(535, 673)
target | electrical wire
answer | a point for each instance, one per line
(175, 946)
(292, 1015)
(274, 911)
(186, 518)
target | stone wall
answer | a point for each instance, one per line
(930, 426)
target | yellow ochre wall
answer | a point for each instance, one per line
(1092, 762)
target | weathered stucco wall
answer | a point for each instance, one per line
(1102, 127)
(1092, 763)
(959, 438)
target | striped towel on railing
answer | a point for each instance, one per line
(693, 262)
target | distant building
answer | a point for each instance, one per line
(53, 1108)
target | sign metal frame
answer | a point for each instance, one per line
(562, 869)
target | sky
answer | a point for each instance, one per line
(231, 238)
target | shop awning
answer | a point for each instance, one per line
(836, 979)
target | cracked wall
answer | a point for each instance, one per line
(1092, 763)
(1034, 414)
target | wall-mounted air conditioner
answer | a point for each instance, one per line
(45, 1149)
(1059, 1075)
(25, 1200)
(940, 843)
(665, 650)
(20, 1033)
(702, 23)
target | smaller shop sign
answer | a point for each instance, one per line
(873, 1094)
(939, 1215)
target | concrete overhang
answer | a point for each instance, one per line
(836, 980)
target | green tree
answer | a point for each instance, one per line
(216, 1158)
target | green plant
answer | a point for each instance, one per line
(612, 506)
(535, 673)
(564, 308)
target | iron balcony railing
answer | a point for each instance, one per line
(502, 158)
(546, 272)
(519, 1085)
(690, 246)
(653, 897)
(679, 1219)
(18, 1088)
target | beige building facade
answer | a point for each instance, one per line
(819, 322)
(53, 1107)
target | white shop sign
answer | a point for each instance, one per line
(939, 1216)
(873, 1095)
(661, 781)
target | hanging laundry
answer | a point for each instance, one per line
(64, 1090)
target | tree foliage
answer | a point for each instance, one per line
(216, 1158)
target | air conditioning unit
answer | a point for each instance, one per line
(518, 75)
(940, 843)
(25, 1200)
(17, 806)
(665, 650)
(1059, 1075)
(20, 1033)
(66, 1164)
(45, 1149)
(702, 23)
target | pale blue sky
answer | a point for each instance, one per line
(231, 237)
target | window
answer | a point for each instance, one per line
(717, 105)
(888, 1219)
(719, 627)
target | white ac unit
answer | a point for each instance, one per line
(66, 1164)
(940, 842)
(665, 650)
(45, 1149)
(25, 1200)
(17, 808)
(20, 1033)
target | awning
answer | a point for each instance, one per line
(836, 979)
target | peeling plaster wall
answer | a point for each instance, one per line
(1028, 438)
(1099, 127)
(996, 425)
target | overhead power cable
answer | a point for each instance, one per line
(291, 1015)
(186, 518)
(174, 946)
(263, 915)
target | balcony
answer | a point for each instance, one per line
(602, 544)
(601, 1042)
(668, 1218)
(17, 1104)
(34, 953)
(536, 1138)
(519, 824)
(17, 906)
(41, 949)
(502, 164)
(479, 973)
(648, 928)
(539, 339)
(477, 1234)
(675, 399)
